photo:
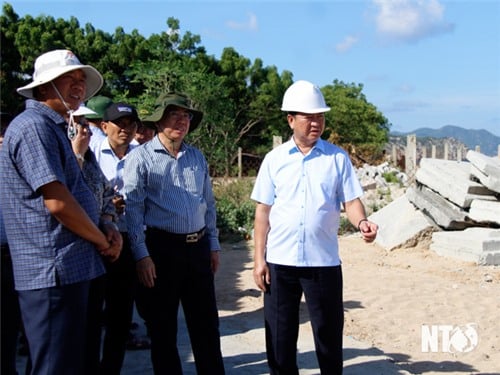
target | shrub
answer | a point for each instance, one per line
(235, 209)
(345, 226)
(390, 177)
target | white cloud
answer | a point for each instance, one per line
(411, 20)
(405, 88)
(346, 44)
(251, 24)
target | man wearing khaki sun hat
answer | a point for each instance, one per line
(51, 214)
(167, 189)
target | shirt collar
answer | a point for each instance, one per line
(319, 146)
(158, 146)
(107, 147)
(46, 111)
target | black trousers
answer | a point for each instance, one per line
(322, 288)
(94, 326)
(119, 294)
(183, 276)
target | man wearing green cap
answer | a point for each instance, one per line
(168, 191)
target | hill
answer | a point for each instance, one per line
(469, 137)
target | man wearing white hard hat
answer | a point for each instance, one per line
(51, 215)
(299, 190)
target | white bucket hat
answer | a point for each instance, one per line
(55, 63)
(84, 111)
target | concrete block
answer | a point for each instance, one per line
(486, 169)
(444, 213)
(401, 225)
(479, 245)
(485, 211)
(451, 179)
(491, 182)
(489, 165)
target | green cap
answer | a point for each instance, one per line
(98, 104)
(174, 99)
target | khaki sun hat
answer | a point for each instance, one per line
(54, 64)
(174, 99)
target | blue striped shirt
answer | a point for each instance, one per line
(36, 151)
(168, 193)
(305, 192)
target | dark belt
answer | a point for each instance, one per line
(187, 238)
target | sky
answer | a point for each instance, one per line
(422, 63)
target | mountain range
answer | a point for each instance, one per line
(487, 141)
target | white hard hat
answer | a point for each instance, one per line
(303, 96)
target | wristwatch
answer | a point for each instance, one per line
(80, 157)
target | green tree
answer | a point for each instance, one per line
(240, 99)
(266, 88)
(11, 75)
(23, 39)
(353, 122)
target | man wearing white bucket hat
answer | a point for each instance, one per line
(299, 189)
(51, 214)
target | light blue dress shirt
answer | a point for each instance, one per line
(168, 193)
(306, 193)
(112, 167)
(97, 136)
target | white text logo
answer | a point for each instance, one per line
(454, 339)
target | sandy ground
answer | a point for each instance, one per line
(388, 297)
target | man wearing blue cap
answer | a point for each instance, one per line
(120, 122)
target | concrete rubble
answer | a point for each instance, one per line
(401, 225)
(453, 204)
(451, 179)
(486, 169)
(480, 245)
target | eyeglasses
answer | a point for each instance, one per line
(124, 124)
(180, 115)
(310, 116)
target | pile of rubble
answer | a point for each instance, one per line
(382, 184)
(455, 205)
